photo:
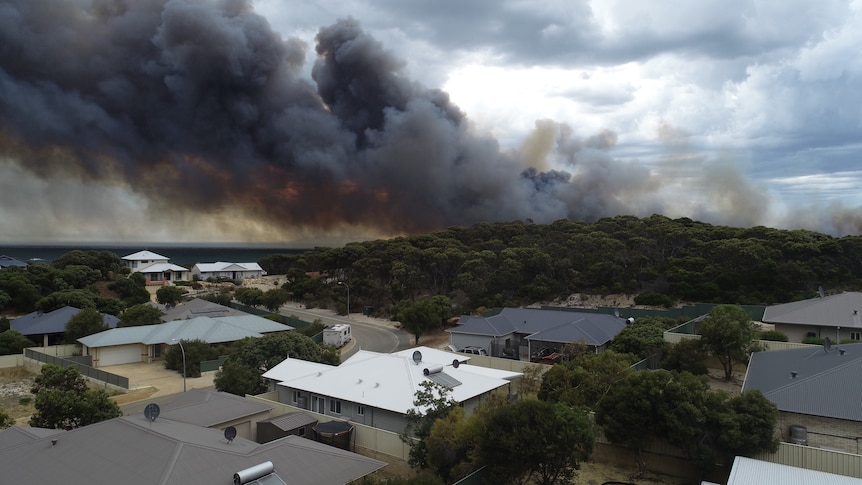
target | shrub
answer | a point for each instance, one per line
(654, 299)
(773, 335)
(813, 340)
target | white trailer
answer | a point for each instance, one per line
(337, 335)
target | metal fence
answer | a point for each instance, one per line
(83, 368)
(211, 365)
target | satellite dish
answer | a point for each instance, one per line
(417, 357)
(456, 363)
(229, 433)
(151, 412)
(827, 344)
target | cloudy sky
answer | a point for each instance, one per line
(741, 113)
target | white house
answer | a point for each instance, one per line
(378, 390)
(838, 317)
(221, 269)
(156, 268)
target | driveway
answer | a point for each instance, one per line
(164, 381)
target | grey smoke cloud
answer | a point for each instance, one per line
(201, 108)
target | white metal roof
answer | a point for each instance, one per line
(210, 330)
(390, 381)
(145, 256)
(162, 267)
(226, 266)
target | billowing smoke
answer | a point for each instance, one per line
(198, 108)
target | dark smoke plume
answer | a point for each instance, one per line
(198, 107)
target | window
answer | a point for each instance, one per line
(855, 335)
(360, 410)
(295, 397)
(335, 406)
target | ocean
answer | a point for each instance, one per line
(178, 254)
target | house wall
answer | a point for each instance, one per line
(796, 333)
(374, 417)
(833, 434)
(461, 340)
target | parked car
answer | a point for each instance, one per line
(473, 350)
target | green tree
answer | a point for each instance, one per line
(728, 333)
(273, 299)
(752, 430)
(170, 294)
(140, 315)
(432, 402)
(222, 298)
(585, 380)
(63, 400)
(643, 338)
(425, 315)
(86, 322)
(251, 357)
(74, 298)
(686, 355)
(537, 440)
(131, 290)
(249, 296)
(196, 352)
(13, 342)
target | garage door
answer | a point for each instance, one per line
(120, 354)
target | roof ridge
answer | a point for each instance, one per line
(801, 381)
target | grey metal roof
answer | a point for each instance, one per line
(826, 384)
(134, 451)
(210, 408)
(7, 261)
(198, 307)
(841, 310)
(291, 421)
(209, 330)
(548, 325)
(38, 323)
(746, 471)
(17, 435)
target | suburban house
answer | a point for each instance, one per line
(838, 317)
(10, 262)
(134, 450)
(516, 332)
(196, 307)
(233, 271)
(817, 391)
(378, 389)
(146, 343)
(156, 268)
(49, 328)
(218, 410)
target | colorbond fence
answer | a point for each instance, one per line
(83, 368)
(819, 459)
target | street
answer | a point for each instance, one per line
(367, 334)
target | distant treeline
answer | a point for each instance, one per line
(508, 264)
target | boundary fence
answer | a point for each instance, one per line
(83, 368)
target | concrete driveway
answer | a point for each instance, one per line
(155, 375)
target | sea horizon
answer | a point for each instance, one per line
(177, 253)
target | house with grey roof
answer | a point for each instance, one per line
(10, 262)
(378, 390)
(838, 317)
(196, 307)
(147, 343)
(746, 471)
(49, 328)
(524, 331)
(136, 451)
(222, 269)
(156, 268)
(818, 389)
(218, 410)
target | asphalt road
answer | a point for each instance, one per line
(366, 334)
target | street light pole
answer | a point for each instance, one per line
(348, 296)
(175, 341)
